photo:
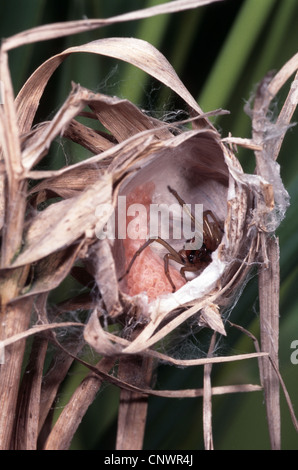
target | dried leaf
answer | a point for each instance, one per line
(211, 318)
(97, 338)
(135, 51)
(62, 433)
(66, 185)
(13, 185)
(133, 406)
(56, 30)
(207, 401)
(16, 322)
(100, 263)
(27, 416)
(177, 393)
(123, 119)
(87, 137)
(65, 222)
(269, 320)
(50, 271)
(34, 330)
(273, 134)
(41, 142)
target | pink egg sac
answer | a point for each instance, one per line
(147, 274)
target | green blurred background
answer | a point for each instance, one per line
(220, 52)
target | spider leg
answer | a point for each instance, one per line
(174, 255)
(182, 203)
(188, 268)
(212, 230)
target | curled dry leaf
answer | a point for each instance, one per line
(52, 31)
(210, 317)
(135, 51)
(95, 335)
(139, 158)
(65, 222)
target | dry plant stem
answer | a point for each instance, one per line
(269, 272)
(62, 433)
(132, 413)
(207, 401)
(51, 383)
(269, 317)
(13, 318)
(16, 318)
(287, 396)
(27, 417)
(14, 185)
(191, 393)
(50, 386)
(286, 113)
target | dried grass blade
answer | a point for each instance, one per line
(189, 362)
(133, 406)
(28, 408)
(65, 185)
(50, 271)
(135, 51)
(65, 427)
(286, 114)
(95, 335)
(16, 319)
(37, 142)
(100, 264)
(144, 56)
(269, 272)
(10, 136)
(65, 222)
(269, 319)
(57, 372)
(36, 329)
(191, 393)
(147, 337)
(14, 188)
(267, 93)
(207, 400)
(288, 69)
(199, 392)
(52, 31)
(87, 137)
(41, 141)
(287, 396)
(111, 111)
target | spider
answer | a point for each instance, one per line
(191, 260)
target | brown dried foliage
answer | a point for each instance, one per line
(40, 247)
